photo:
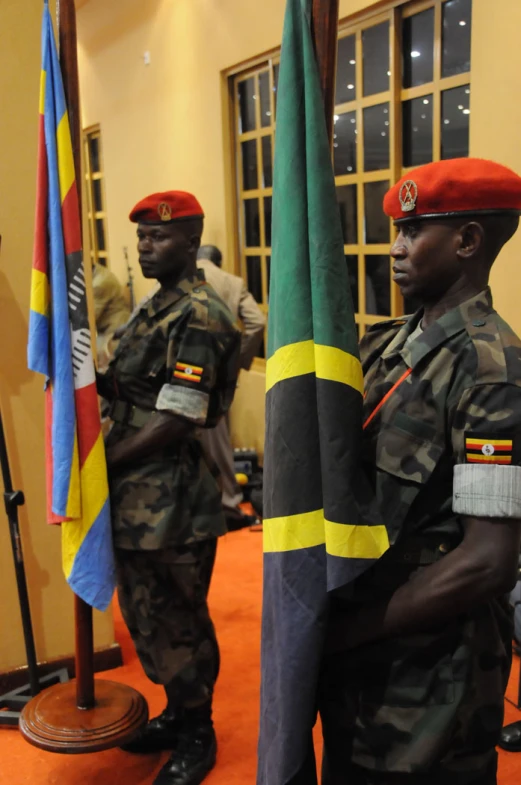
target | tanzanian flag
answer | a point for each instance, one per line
(59, 347)
(317, 536)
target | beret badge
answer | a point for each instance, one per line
(165, 211)
(408, 196)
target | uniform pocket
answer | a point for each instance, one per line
(405, 449)
(405, 462)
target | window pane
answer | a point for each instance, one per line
(346, 70)
(344, 143)
(417, 131)
(418, 48)
(267, 220)
(375, 47)
(347, 202)
(100, 233)
(94, 153)
(253, 269)
(266, 162)
(457, 24)
(352, 271)
(247, 100)
(455, 114)
(252, 223)
(268, 273)
(377, 229)
(378, 285)
(376, 137)
(249, 165)
(265, 105)
(96, 195)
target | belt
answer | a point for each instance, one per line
(126, 413)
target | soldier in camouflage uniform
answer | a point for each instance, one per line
(175, 370)
(419, 649)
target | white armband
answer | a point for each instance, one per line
(491, 491)
(187, 403)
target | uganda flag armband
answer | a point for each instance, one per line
(188, 373)
(488, 450)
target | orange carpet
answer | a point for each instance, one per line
(235, 600)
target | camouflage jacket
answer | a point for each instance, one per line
(185, 345)
(447, 441)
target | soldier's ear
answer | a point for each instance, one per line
(195, 242)
(471, 240)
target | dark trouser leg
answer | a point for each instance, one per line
(208, 562)
(162, 596)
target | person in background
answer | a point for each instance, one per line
(242, 305)
(174, 371)
(110, 311)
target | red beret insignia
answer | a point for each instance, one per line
(408, 196)
(165, 211)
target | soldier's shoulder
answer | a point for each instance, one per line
(388, 325)
(497, 348)
(382, 332)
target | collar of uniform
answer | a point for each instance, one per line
(164, 298)
(441, 330)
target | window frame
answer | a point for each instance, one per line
(393, 12)
(97, 256)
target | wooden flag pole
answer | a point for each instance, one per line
(324, 29)
(82, 715)
(84, 658)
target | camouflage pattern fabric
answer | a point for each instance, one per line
(162, 596)
(426, 708)
(184, 346)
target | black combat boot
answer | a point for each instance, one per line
(195, 753)
(161, 733)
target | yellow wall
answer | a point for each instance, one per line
(495, 128)
(162, 124)
(21, 395)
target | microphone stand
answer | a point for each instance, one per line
(12, 703)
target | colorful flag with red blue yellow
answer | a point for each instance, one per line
(59, 347)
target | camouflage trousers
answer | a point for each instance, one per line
(162, 595)
(422, 709)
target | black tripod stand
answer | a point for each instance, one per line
(12, 703)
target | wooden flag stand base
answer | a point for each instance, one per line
(53, 721)
(83, 715)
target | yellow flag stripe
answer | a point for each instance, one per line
(327, 362)
(65, 159)
(43, 79)
(94, 493)
(40, 295)
(307, 530)
(493, 442)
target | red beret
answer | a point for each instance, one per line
(461, 186)
(166, 207)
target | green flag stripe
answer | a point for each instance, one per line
(309, 529)
(327, 362)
